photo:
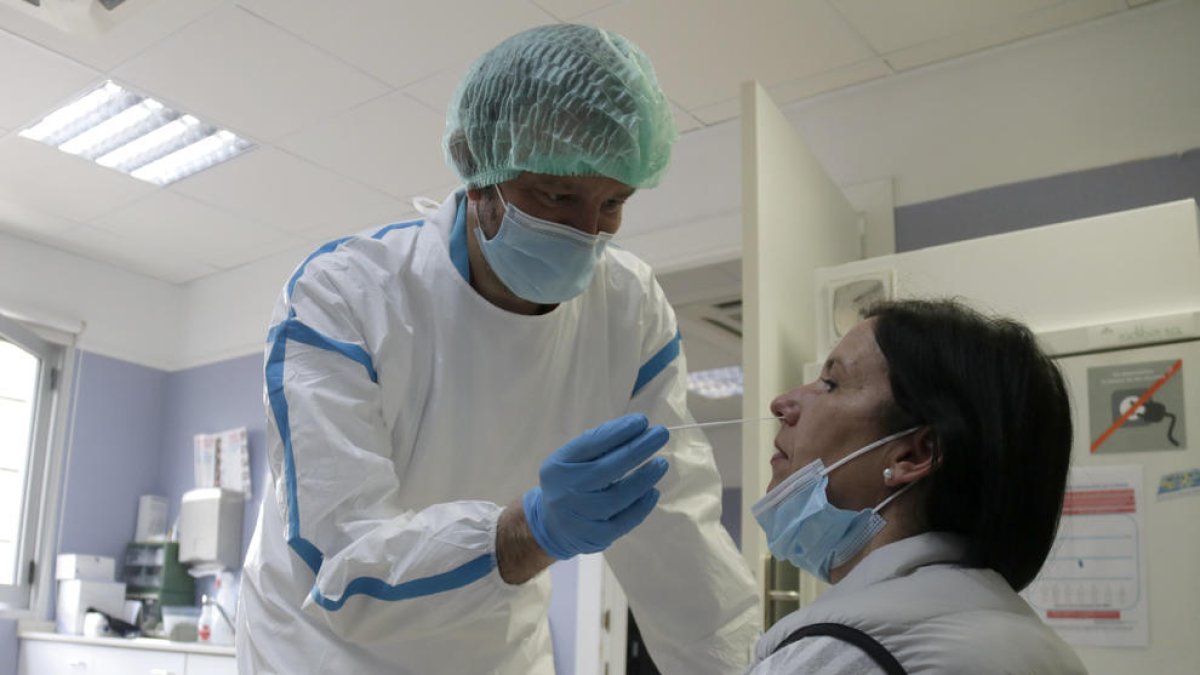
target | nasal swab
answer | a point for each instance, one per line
(715, 424)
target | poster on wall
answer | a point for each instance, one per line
(222, 460)
(1092, 589)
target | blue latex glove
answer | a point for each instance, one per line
(585, 501)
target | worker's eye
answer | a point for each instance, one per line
(613, 205)
(557, 197)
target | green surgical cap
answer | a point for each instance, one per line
(565, 100)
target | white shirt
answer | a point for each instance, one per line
(931, 614)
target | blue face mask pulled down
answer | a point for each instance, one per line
(803, 528)
(539, 260)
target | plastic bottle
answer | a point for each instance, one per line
(204, 627)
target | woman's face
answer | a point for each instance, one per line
(837, 414)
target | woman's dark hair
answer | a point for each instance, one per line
(1002, 423)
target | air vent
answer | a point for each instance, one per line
(80, 17)
(726, 316)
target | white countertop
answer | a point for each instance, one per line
(156, 644)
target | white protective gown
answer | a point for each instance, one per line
(405, 411)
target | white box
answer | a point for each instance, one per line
(151, 519)
(75, 596)
(86, 567)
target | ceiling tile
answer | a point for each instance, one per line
(192, 229)
(290, 194)
(236, 70)
(401, 42)
(720, 111)
(137, 24)
(317, 238)
(889, 26)
(41, 178)
(393, 143)
(131, 253)
(704, 49)
(704, 284)
(1002, 31)
(684, 120)
(568, 10)
(29, 223)
(436, 90)
(437, 194)
(35, 80)
(829, 80)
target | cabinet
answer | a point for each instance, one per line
(62, 659)
(52, 654)
(202, 664)
(154, 576)
(152, 570)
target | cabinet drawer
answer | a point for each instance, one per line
(110, 661)
(203, 664)
(54, 658)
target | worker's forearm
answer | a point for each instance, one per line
(517, 553)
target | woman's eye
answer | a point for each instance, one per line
(830, 385)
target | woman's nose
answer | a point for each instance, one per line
(787, 406)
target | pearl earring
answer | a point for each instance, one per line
(887, 474)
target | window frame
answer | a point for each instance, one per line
(38, 537)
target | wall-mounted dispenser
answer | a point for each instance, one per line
(210, 528)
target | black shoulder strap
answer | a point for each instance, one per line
(878, 653)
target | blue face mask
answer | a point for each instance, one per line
(539, 260)
(803, 528)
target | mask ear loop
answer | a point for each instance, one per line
(892, 497)
(867, 448)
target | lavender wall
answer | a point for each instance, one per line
(133, 435)
(1044, 201)
(8, 647)
(115, 454)
(205, 400)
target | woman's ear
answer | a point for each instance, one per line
(915, 457)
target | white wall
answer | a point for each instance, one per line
(228, 313)
(1112, 90)
(121, 314)
(1137, 264)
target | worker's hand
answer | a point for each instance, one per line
(585, 501)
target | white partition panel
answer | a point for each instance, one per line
(795, 220)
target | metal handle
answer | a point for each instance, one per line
(205, 600)
(784, 595)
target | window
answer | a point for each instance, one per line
(29, 371)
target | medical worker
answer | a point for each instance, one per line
(455, 403)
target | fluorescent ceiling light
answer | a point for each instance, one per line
(136, 135)
(716, 383)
